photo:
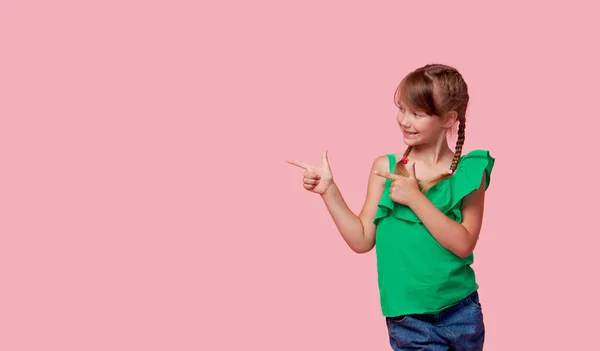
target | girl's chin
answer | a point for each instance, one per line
(411, 140)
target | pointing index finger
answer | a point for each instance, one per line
(299, 164)
(387, 175)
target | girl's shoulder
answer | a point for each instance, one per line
(471, 167)
(384, 162)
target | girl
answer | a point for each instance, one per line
(425, 212)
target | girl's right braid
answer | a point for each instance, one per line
(459, 145)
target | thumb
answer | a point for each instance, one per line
(325, 160)
(413, 173)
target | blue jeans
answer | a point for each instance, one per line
(457, 328)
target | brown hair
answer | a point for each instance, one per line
(435, 89)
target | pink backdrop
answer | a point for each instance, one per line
(146, 203)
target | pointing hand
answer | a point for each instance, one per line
(317, 179)
(402, 189)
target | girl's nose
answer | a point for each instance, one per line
(403, 120)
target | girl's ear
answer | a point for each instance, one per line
(450, 119)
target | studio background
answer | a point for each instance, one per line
(145, 201)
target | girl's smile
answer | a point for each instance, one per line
(408, 134)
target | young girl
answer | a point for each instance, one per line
(424, 208)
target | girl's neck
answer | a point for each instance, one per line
(432, 154)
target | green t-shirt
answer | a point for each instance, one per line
(416, 274)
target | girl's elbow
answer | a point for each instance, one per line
(465, 251)
(362, 249)
(468, 245)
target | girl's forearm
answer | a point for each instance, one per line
(348, 224)
(450, 234)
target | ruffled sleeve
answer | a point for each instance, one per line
(469, 174)
(446, 195)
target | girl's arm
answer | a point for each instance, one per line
(358, 231)
(459, 238)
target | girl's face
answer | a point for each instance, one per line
(417, 127)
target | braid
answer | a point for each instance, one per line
(407, 152)
(400, 168)
(459, 145)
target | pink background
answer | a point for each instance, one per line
(146, 203)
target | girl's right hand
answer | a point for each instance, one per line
(317, 179)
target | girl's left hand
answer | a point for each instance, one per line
(403, 189)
